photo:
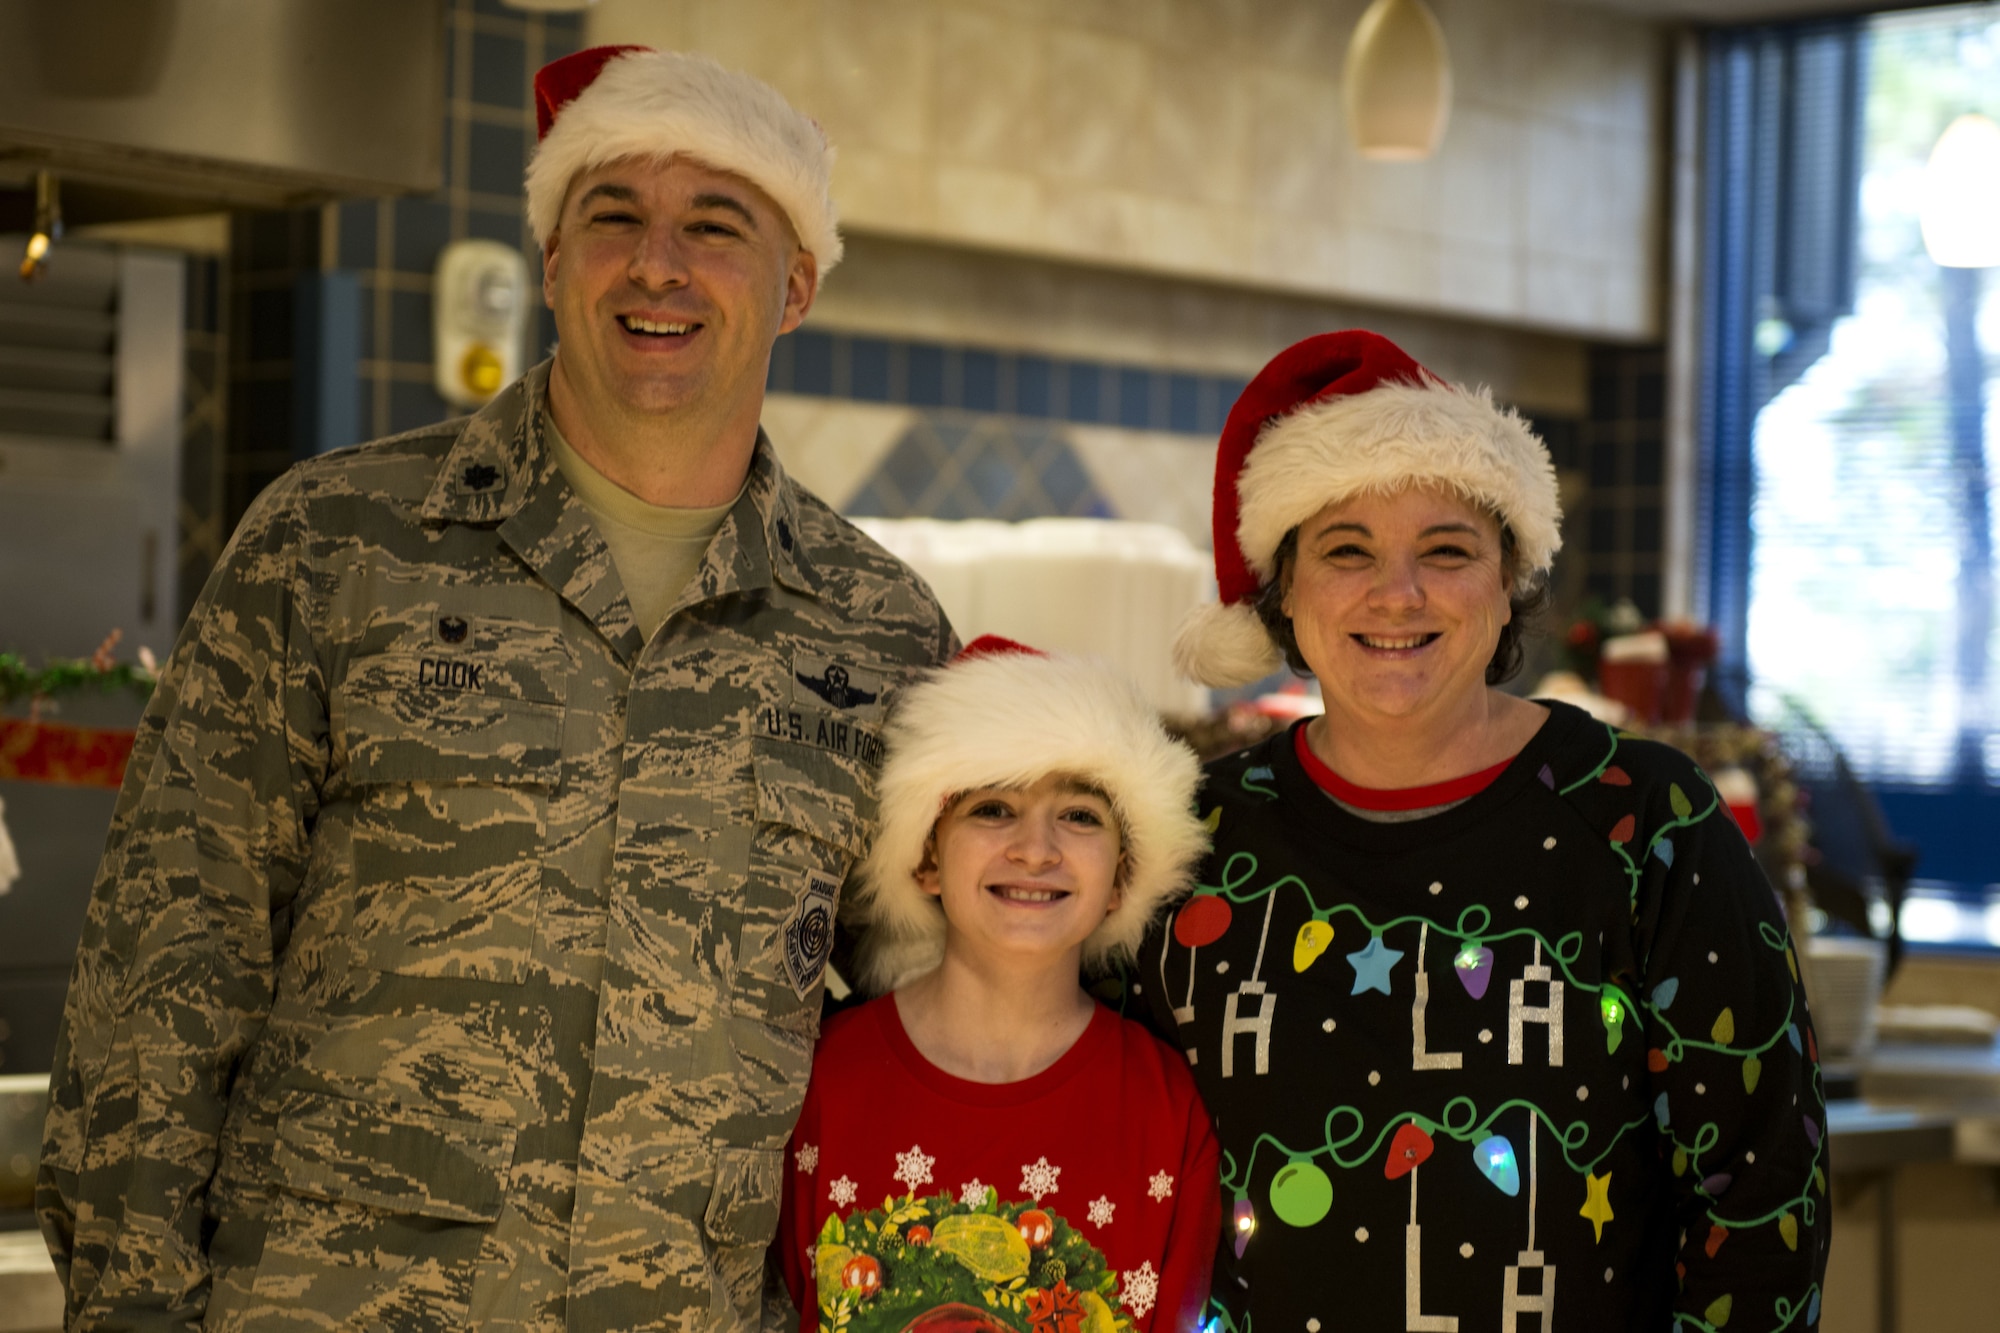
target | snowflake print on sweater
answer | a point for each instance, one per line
(1161, 1187)
(808, 1158)
(1100, 1211)
(1039, 1179)
(913, 1168)
(842, 1192)
(1142, 1288)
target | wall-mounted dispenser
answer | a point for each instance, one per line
(479, 312)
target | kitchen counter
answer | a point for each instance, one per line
(1875, 1138)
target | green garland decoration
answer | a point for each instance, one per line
(71, 675)
(924, 1260)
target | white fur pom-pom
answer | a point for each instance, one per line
(1224, 646)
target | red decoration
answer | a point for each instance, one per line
(862, 1274)
(1615, 776)
(1716, 1235)
(66, 755)
(918, 1234)
(1036, 1227)
(1656, 1060)
(1408, 1150)
(1202, 921)
(956, 1318)
(1623, 830)
(1055, 1310)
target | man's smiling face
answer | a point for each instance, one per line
(669, 282)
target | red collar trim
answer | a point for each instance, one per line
(1392, 798)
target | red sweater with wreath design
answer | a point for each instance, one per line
(1081, 1200)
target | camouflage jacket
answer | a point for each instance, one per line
(455, 958)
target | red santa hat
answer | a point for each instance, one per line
(608, 102)
(1338, 415)
(1002, 715)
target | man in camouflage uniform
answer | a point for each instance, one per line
(456, 956)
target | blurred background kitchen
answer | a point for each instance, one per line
(1732, 257)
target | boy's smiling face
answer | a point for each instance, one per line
(1024, 872)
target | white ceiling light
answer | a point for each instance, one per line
(1398, 82)
(1961, 204)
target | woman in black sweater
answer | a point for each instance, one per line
(1499, 1020)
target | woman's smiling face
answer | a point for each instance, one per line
(1397, 602)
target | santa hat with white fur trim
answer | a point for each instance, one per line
(608, 102)
(1002, 715)
(1344, 414)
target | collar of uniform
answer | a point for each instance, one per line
(759, 543)
(498, 459)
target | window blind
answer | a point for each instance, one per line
(1870, 590)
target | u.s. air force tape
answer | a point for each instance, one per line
(809, 934)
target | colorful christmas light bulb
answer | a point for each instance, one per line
(1301, 1194)
(1612, 1008)
(1474, 966)
(1494, 1156)
(1310, 943)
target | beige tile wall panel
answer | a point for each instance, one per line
(1204, 139)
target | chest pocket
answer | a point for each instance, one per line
(815, 812)
(452, 779)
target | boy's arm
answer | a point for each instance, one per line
(1196, 1227)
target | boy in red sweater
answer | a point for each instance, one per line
(984, 1147)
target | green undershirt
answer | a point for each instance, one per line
(656, 548)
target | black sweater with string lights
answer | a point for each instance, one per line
(1540, 1060)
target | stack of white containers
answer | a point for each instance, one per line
(1102, 588)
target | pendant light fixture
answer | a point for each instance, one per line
(1960, 213)
(1398, 82)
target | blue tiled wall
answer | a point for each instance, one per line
(935, 375)
(392, 246)
(1624, 452)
